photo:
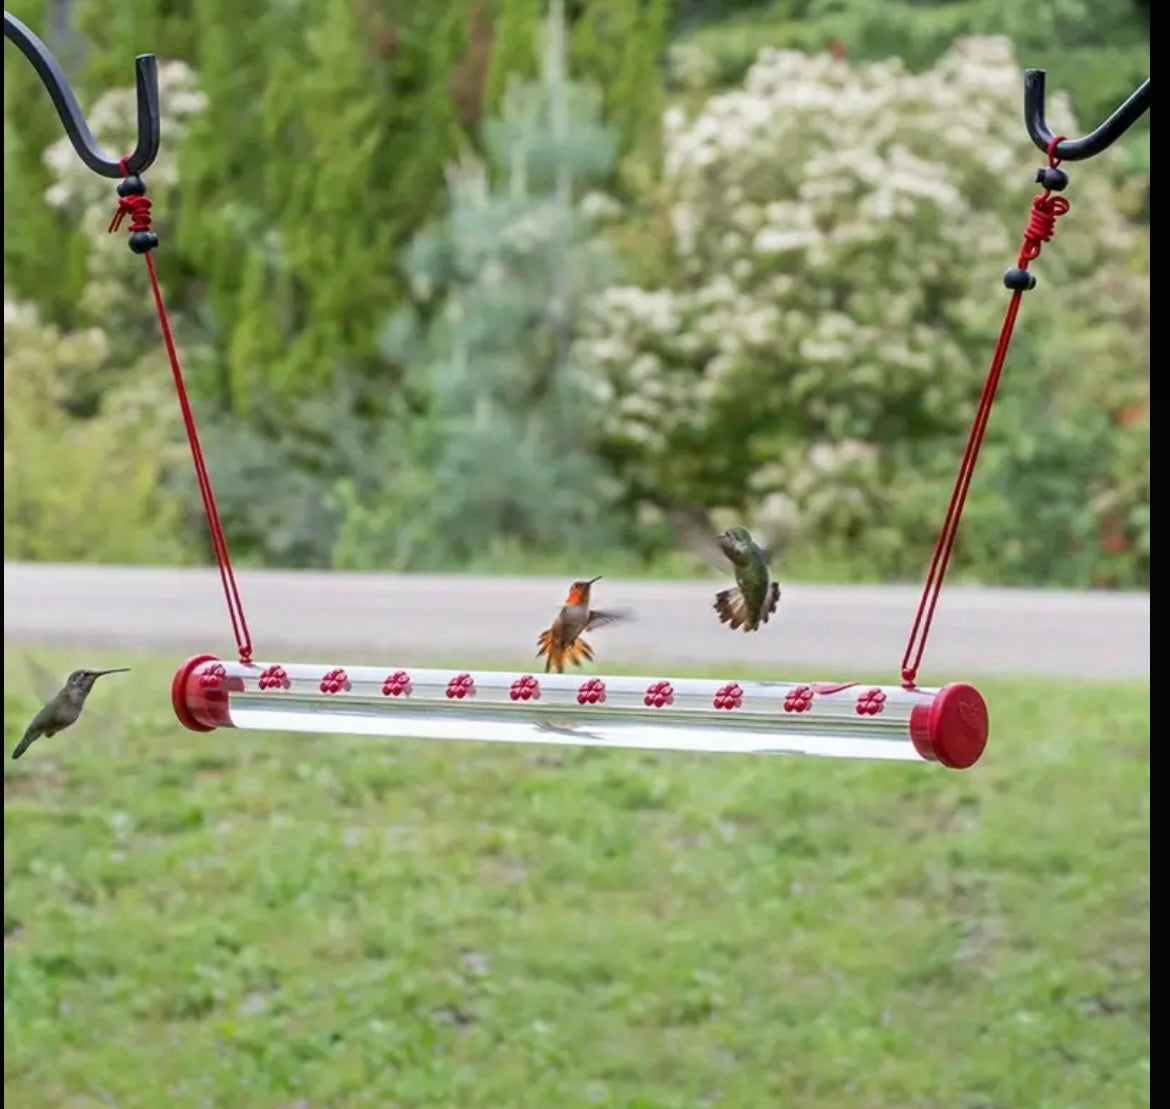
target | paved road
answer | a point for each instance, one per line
(396, 618)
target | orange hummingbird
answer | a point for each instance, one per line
(562, 642)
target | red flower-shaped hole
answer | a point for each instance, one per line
(658, 694)
(799, 699)
(526, 688)
(460, 686)
(213, 676)
(275, 677)
(592, 692)
(335, 681)
(729, 696)
(871, 702)
(397, 685)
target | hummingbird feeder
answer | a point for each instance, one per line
(948, 726)
(846, 720)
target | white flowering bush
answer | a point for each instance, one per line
(838, 239)
(115, 289)
(116, 296)
(91, 424)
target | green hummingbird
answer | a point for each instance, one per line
(63, 708)
(755, 596)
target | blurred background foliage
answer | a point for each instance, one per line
(486, 283)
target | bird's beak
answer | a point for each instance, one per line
(721, 535)
(592, 580)
(118, 670)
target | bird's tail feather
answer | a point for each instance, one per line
(25, 743)
(546, 649)
(555, 656)
(578, 652)
(732, 607)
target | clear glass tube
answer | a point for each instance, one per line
(841, 720)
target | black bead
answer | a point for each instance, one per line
(1053, 179)
(1016, 279)
(143, 242)
(132, 186)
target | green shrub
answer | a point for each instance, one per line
(838, 239)
(83, 489)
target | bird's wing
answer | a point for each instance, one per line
(44, 684)
(600, 619)
(39, 722)
(731, 553)
(692, 529)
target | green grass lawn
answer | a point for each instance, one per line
(256, 920)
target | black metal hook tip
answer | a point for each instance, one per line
(1090, 145)
(69, 112)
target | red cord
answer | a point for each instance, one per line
(1046, 208)
(138, 208)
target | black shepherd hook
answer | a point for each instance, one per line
(52, 77)
(1077, 150)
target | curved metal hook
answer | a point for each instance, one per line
(52, 77)
(1076, 150)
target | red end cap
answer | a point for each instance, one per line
(191, 702)
(952, 727)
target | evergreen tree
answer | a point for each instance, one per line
(502, 278)
(616, 43)
(620, 43)
(354, 132)
(515, 31)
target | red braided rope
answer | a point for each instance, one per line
(138, 209)
(1046, 209)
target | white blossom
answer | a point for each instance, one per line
(839, 234)
(599, 207)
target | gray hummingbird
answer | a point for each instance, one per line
(63, 708)
(755, 596)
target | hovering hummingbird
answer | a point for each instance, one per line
(755, 596)
(63, 708)
(562, 642)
